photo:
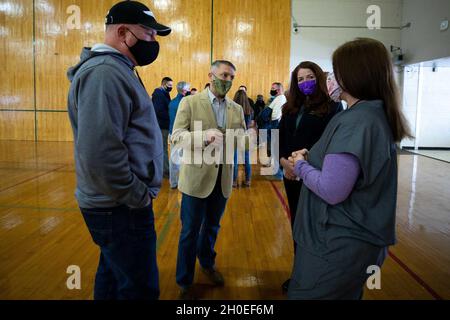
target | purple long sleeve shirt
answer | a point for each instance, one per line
(336, 180)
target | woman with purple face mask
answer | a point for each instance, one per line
(305, 116)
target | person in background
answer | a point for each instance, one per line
(161, 100)
(182, 91)
(348, 200)
(304, 118)
(258, 108)
(118, 152)
(241, 99)
(193, 91)
(259, 105)
(277, 92)
(252, 103)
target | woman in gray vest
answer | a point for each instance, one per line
(346, 214)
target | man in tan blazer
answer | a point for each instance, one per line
(199, 128)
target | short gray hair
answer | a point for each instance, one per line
(182, 86)
(217, 63)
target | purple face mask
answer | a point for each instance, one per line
(307, 87)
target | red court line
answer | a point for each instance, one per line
(415, 276)
(281, 198)
(403, 265)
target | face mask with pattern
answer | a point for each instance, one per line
(334, 90)
(221, 87)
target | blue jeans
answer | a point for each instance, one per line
(127, 239)
(200, 219)
(165, 136)
(248, 167)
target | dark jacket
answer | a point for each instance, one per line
(308, 132)
(118, 145)
(161, 100)
(173, 108)
(258, 107)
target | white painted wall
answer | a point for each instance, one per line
(318, 44)
(410, 95)
(434, 115)
(424, 40)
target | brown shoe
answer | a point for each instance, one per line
(214, 276)
(186, 293)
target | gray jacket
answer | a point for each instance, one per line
(118, 143)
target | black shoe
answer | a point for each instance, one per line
(285, 285)
(186, 293)
(214, 276)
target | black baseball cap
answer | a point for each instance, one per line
(134, 12)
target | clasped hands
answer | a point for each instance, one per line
(298, 155)
(288, 164)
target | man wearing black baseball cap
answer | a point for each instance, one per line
(119, 151)
(142, 20)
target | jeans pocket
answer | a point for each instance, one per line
(99, 223)
(142, 224)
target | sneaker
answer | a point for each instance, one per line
(247, 184)
(234, 184)
(214, 276)
(186, 293)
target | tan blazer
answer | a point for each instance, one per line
(198, 180)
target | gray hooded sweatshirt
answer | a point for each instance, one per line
(118, 143)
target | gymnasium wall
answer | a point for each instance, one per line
(429, 122)
(37, 46)
(424, 40)
(326, 24)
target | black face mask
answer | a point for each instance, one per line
(273, 93)
(144, 52)
(188, 93)
(168, 89)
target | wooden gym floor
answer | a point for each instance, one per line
(42, 232)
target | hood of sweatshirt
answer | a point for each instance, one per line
(88, 54)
